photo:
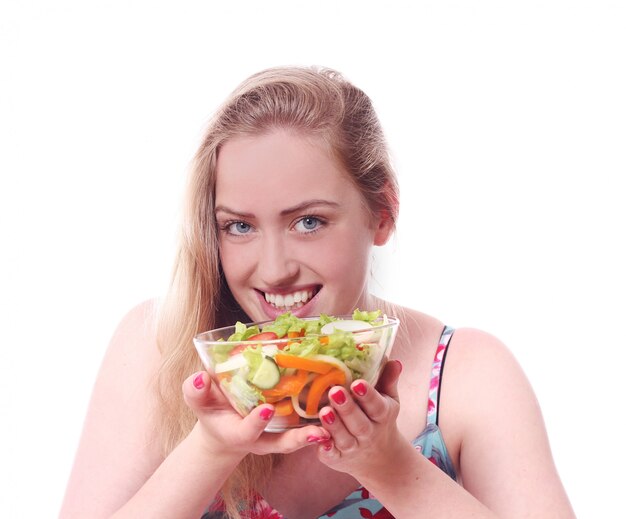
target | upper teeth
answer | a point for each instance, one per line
(295, 299)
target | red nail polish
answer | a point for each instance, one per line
(339, 397)
(360, 388)
(266, 413)
(198, 381)
(327, 445)
(329, 418)
(312, 438)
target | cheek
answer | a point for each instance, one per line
(234, 264)
(345, 260)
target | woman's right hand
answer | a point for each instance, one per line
(224, 431)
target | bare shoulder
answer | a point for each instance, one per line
(118, 449)
(475, 353)
(480, 366)
(492, 421)
(136, 333)
(482, 382)
(132, 353)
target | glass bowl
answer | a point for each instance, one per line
(293, 369)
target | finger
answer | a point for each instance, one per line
(200, 393)
(388, 381)
(253, 424)
(353, 417)
(291, 440)
(328, 453)
(373, 403)
(342, 437)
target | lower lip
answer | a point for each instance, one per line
(272, 312)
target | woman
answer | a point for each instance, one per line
(290, 190)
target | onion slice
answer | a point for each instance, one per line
(337, 363)
(350, 325)
(301, 412)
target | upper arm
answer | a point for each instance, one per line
(118, 450)
(504, 453)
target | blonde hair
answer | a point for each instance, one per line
(313, 101)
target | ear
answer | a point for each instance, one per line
(384, 228)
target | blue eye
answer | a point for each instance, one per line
(308, 224)
(238, 228)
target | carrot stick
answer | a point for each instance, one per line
(291, 361)
(321, 384)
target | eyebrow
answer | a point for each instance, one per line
(307, 204)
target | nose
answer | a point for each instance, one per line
(277, 262)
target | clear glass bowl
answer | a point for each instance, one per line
(252, 372)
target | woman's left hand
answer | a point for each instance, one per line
(362, 424)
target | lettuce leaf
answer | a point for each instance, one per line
(254, 357)
(246, 397)
(340, 345)
(286, 323)
(220, 351)
(368, 317)
(304, 348)
(242, 332)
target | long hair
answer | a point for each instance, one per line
(312, 101)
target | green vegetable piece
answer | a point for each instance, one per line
(368, 317)
(242, 332)
(267, 375)
(246, 397)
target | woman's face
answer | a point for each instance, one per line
(295, 233)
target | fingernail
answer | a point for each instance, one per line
(360, 388)
(312, 438)
(339, 397)
(399, 364)
(266, 413)
(329, 418)
(198, 381)
(327, 445)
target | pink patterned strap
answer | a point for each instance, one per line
(436, 375)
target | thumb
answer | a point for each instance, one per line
(204, 398)
(200, 393)
(388, 381)
(255, 422)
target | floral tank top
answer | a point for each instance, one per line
(360, 503)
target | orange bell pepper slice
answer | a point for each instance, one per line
(288, 385)
(291, 361)
(320, 384)
(283, 408)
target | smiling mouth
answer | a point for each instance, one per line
(291, 300)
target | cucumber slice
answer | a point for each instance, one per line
(267, 376)
(239, 361)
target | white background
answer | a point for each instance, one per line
(508, 129)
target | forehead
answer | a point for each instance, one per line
(280, 166)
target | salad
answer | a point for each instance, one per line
(291, 362)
